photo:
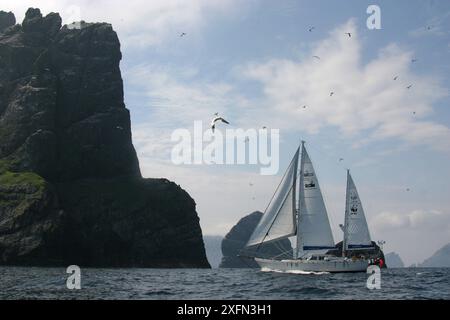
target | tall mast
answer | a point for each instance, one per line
(344, 240)
(301, 186)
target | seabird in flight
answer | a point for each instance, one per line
(213, 122)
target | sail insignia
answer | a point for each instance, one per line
(313, 223)
(356, 230)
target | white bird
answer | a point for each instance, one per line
(213, 122)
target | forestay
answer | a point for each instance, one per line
(279, 219)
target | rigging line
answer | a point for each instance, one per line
(280, 247)
(277, 247)
(282, 253)
(329, 156)
(280, 182)
(243, 259)
(330, 217)
(273, 221)
(275, 218)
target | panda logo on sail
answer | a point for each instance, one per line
(303, 215)
(310, 184)
(355, 204)
(309, 181)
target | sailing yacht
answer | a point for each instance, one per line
(297, 209)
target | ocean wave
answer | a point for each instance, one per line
(294, 271)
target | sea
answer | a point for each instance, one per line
(223, 284)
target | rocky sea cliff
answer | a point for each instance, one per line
(71, 191)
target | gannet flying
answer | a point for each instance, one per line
(213, 122)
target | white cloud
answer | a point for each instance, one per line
(431, 220)
(366, 98)
(152, 144)
(415, 235)
(139, 22)
(176, 98)
(222, 197)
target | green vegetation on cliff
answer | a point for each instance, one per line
(71, 191)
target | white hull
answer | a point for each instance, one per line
(307, 266)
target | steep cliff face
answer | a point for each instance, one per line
(237, 238)
(440, 259)
(393, 260)
(7, 19)
(213, 247)
(70, 186)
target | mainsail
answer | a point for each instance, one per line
(314, 231)
(356, 231)
(279, 219)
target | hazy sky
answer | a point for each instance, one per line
(252, 61)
